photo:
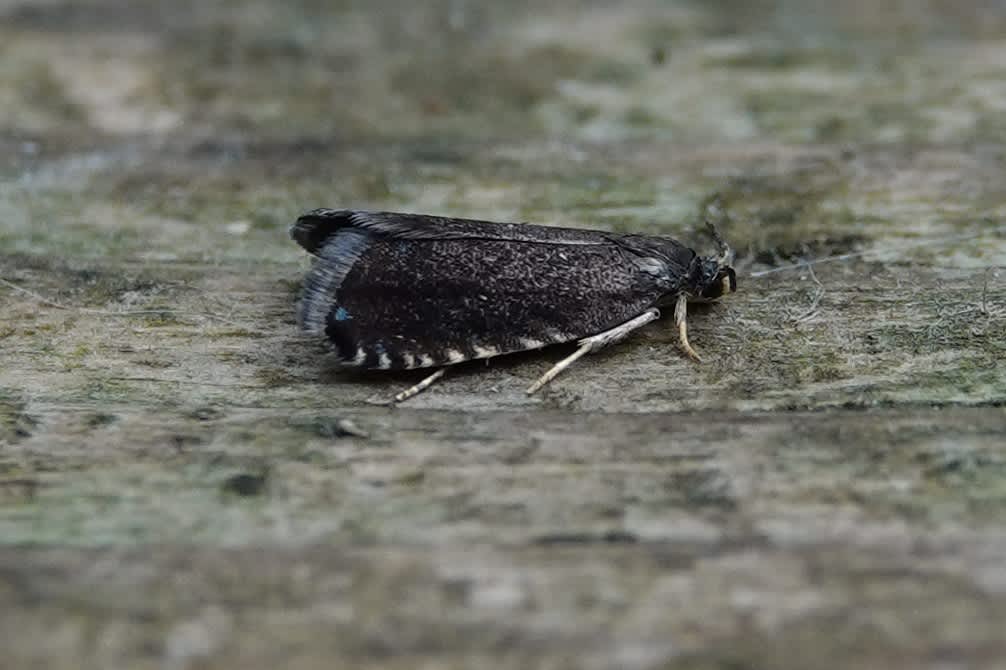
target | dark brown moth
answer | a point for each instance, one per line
(401, 291)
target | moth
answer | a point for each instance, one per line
(396, 291)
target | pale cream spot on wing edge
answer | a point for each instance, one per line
(486, 352)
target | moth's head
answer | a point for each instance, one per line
(711, 278)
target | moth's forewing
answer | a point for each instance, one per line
(403, 291)
(417, 304)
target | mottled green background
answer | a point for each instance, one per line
(186, 482)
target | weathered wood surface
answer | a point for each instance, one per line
(187, 482)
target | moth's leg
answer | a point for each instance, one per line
(557, 368)
(680, 314)
(412, 390)
(420, 387)
(589, 345)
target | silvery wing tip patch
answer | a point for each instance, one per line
(335, 258)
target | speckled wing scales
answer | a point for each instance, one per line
(313, 229)
(400, 291)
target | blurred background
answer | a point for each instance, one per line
(621, 115)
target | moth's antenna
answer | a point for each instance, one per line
(868, 252)
(726, 257)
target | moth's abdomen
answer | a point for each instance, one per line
(392, 303)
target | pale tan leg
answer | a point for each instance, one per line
(554, 371)
(589, 345)
(680, 314)
(420, 387)
(412, 390)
